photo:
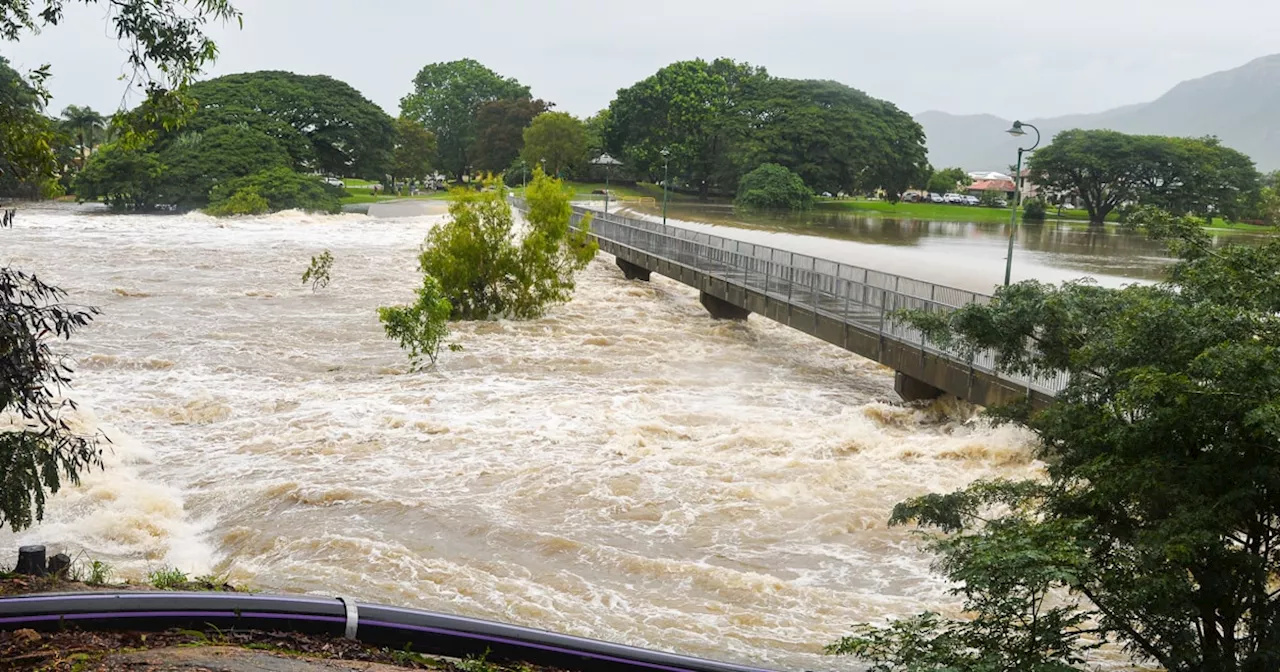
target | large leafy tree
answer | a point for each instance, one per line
(195, 162)
(348, 135)
(500, 131)
(415, 152)
(1158, 525)
(947, 179)
(556, 141)
(446, 99)
(693, 110)
(166, 47)
(1108, 169)
(835, 137)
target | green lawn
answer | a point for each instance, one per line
(934, 211)
(387, 198)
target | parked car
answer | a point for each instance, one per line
(1000, 202)
(335, 182)
(911, 197)
(971, 200)
(953, 198)
(935, 198)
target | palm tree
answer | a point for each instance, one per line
(85, 123)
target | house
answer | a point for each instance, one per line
(1005, 187)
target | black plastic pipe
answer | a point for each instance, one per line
(421, 631)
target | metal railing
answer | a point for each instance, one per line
(861, 297)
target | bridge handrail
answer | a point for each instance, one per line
(779, 272)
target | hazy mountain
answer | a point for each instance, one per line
(1240, 106)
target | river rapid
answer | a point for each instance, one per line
(624, 468)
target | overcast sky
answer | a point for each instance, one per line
(1029, 59)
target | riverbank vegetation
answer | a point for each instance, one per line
(1107, 170)
(773, 187)
(1157, 526)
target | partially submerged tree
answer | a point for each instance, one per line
(1159, 520)
(476, 266)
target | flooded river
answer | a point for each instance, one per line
(624, 468)
(968, 255)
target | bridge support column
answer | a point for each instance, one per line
(911, 389)
(632, 271)
(721, 309)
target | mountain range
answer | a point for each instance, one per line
(1241, 107)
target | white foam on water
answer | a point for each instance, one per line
(623, 468)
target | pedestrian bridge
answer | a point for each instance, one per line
(845, 305)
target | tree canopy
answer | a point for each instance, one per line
(500, 127)
(243, 125)
(559, 139)
(721, 119)
(773, 187)
(1158, 525)
(946, 180)
(326, 124)
(1183, 175)
(446, 99)
(415, 151)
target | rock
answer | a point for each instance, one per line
(30, 561)
(59, 565)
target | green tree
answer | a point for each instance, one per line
(1184, 175)
(446, 99)
(557, 137)
(500, 127)
(123, 177)
(195, 162)
(87, 125)
(486, 270)
(948, 180)
(772, 187)
(163, 37)
(1160, 510)
(415, 151)
(695, 111)
(282, 188)
(326, 125)
(835, 137)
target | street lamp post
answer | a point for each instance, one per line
(608, 162)
(666, 162)
(524, 183)
(1017, 132)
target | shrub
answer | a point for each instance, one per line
(283, 189)
(420, 327)
(247, 201)
(990, 198)
(318, 272)
(1034, 209)
(773, 187)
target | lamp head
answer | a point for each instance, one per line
(1016, 131)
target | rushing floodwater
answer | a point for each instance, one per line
(624, 468)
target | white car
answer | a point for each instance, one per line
(953, 198)
(935, 198)
(335, 182)
(971, 200)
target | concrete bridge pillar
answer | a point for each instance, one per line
(721, 309)
(911, 389)
(632, 271)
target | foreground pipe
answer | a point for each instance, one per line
(420, 631)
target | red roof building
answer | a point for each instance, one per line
(1006, 187)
